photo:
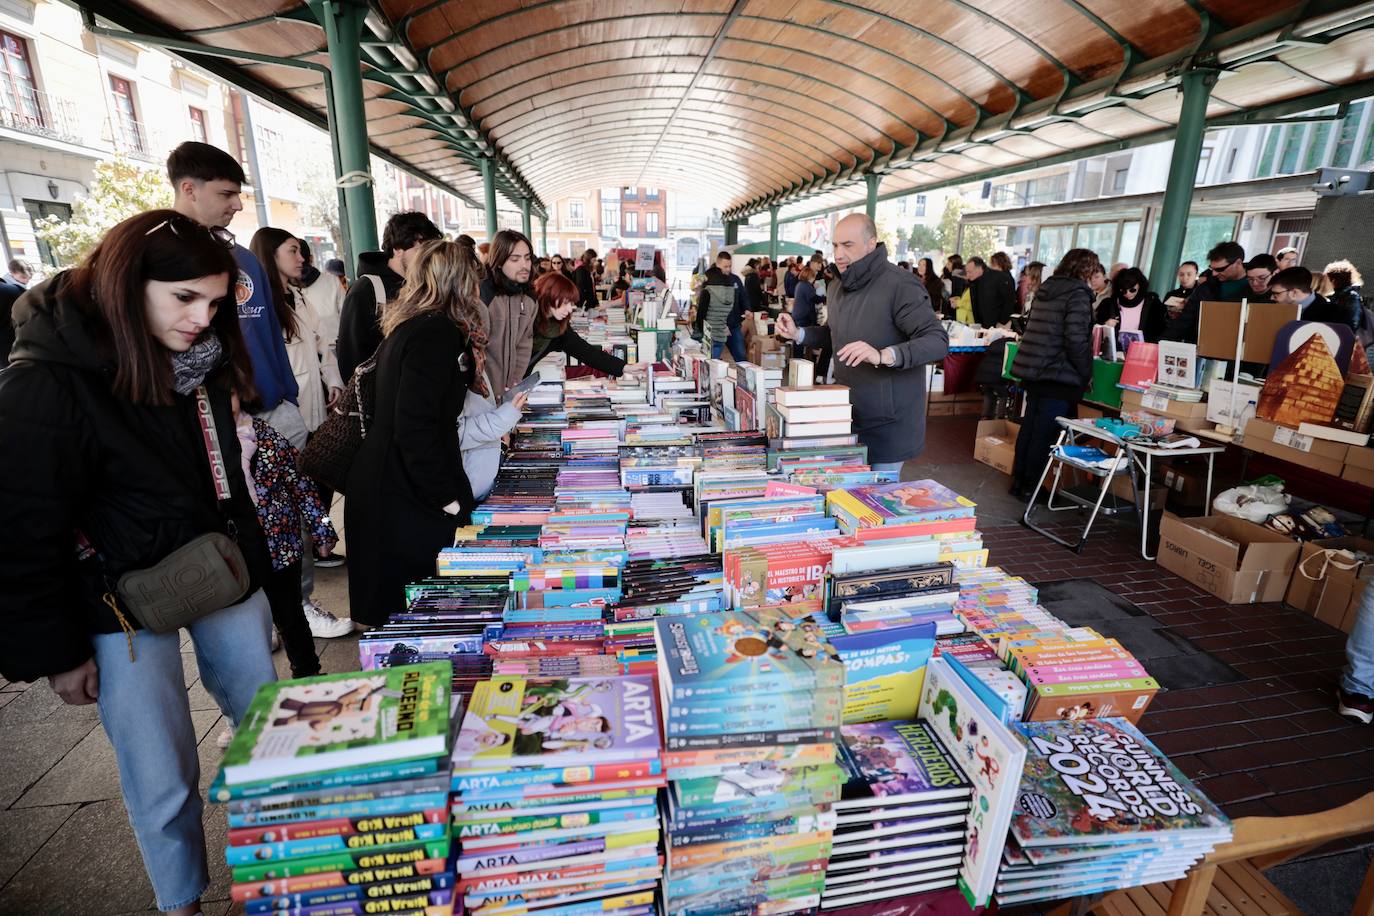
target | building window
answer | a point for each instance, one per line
(1292, 147)
(920, 205)
(1345, 140)
(628, 193)
(1315, 156)
(1271, 145)
(198, 124)
(631, 223)
(651, 223)
(575, 248)
(1119, 180)
(128, 132)
(901, 205)
(609, 217)
(577, 210)
(18, 92)
(651, 194)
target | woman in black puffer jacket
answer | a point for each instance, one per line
(1054, 363)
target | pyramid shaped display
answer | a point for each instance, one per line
(1304, 388)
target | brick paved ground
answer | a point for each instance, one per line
(1267, 745)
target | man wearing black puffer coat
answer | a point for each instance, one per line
(1054, 363)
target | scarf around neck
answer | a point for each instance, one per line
(190, 368)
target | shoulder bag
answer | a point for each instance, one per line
(328, 456)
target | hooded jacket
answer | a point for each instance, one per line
(877, 302)
(1056, 349)
(510, 335)
(272, 374)
(133, 479)
(360, 328)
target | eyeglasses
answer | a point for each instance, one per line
(219, 234)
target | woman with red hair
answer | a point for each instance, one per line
(557, 296)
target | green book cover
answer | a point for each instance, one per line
(338, 720)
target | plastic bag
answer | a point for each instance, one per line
(1252, 503)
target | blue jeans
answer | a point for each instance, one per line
(1359, 649)
(892, 470)
(145, 711)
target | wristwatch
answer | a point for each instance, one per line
(887, 357)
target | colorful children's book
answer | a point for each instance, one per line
(884, 671)
(1066, 798)
(338, 720)
(514, 722)
(719, 654)
(891, 764)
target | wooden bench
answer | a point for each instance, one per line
(1230, 881)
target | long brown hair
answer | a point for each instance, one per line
(264, 246)
(502, 247)
(552, 290)
(158, 245)
(443, 277)
(935, 287)
(1079, 264)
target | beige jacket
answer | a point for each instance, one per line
(511, 334)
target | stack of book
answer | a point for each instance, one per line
(336, 789)
(444, 619)
(900, 824)
(1100, 808)
(805, 415)
(917, 507)
(740, 695)
(555, 803)
(896, 596)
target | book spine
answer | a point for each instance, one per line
(439, 889)
(386, 773)
(519, 825)
(322, 846)
(401, 804)
(752, 739)
(556, 776)
(343, 861)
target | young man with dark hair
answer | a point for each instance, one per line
(360, 329)
(1226, 283)
(510, 303)
(207, 185)
(12, 286)
(1259, 270)
(721, 307)
(1293, 286)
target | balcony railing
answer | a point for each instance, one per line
(32, 111)
(133, 138)
(575, 224)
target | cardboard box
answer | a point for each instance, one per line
(1357, 475)
(1236, 560)
(1185, 480)
(1186, 416)
(1334, 598)
(1360, 456)
(996, 444)
(1127, 698)
(1281, 442)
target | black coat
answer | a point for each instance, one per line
(1328, 311)
(360, 329)
(993, 297)
(409, 467)
(877, 302)
(1152, 320)
(571, 343)
(134, 479)
(9, 295)
(1056, 350)
(586, 287)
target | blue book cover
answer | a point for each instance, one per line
(718, 654)
(884, 671)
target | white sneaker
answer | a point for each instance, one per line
(225, 738)
(324, 625)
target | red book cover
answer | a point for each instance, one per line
(1142, 366)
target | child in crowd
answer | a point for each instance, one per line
(482, 426)
(286, 500)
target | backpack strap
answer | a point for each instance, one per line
(379, 291)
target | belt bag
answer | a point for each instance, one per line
(202, 576)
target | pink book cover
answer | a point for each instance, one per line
(1142, 366)
(1126, 670)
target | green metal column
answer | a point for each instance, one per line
(543, 235)
(773, 233)
(872, 179)
(1196, 85)
(343, 29)
(731, 232)
(525, 218)
(489, 187)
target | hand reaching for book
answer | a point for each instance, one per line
(786, 327)
(79, 686)
(521, 400)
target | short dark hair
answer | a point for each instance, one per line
(467, 240)
(157, 245)
(1001, 261)
(1265, 261)
(983, 265)
(904, 265)
(1079, 264)
(723, 255)
(752, 262)
(1186, 263)
(1292, 278)
(1226, 251)
(406, 230)
(20, 266)
(203, 162)
(1131, 276)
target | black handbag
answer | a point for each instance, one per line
(328, 456)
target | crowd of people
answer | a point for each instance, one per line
(131, 511)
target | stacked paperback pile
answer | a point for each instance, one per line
(752, 704)
(917, 507)
(1068, 672)
(1100, 808)
(815, 416)
(900, 824)
(337, 794)
(555, 803)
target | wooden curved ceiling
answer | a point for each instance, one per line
(759, 102)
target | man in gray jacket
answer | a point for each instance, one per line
(884, 333)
